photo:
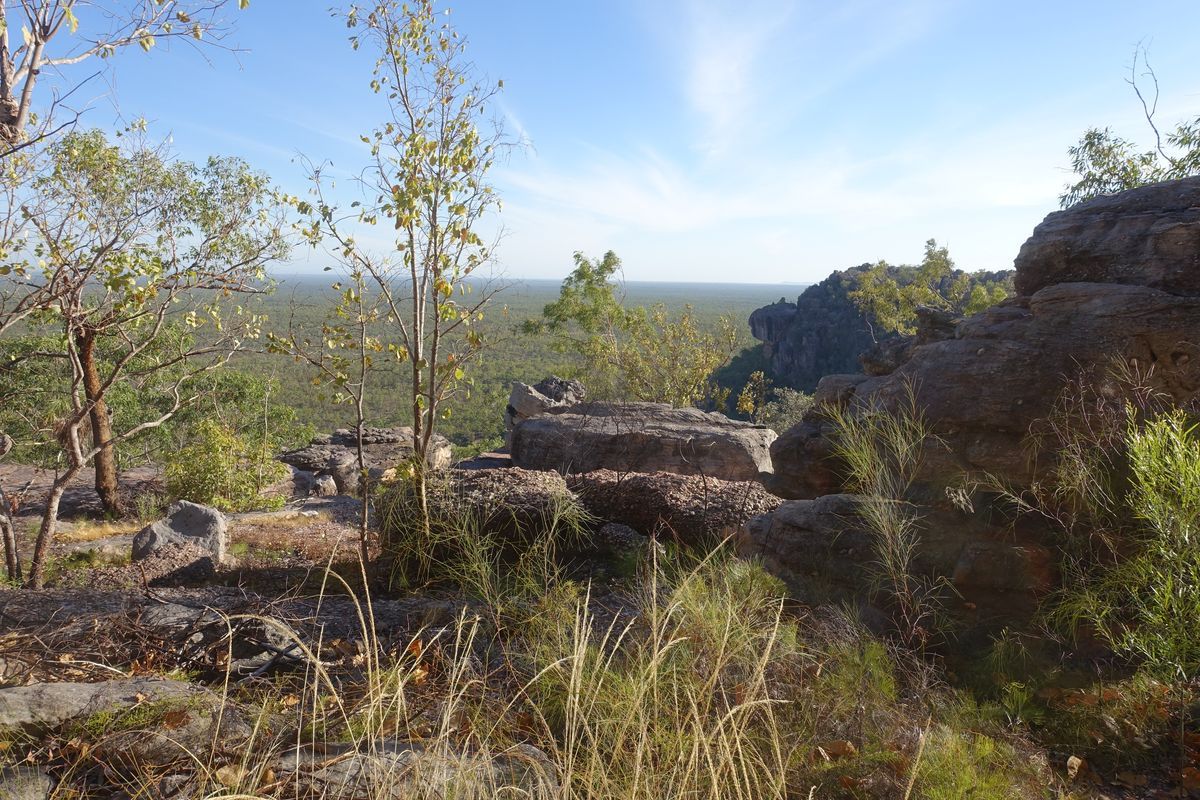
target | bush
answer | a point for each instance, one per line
(1144, 603)
(220, 468)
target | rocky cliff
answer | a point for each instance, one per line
(820, 334)
(1111, 283)
(825, 333)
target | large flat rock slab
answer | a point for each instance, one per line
(642, 437)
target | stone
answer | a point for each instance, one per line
(824, 332)
(826, 553)
(393, 770)
(41, 707)
(642, 437)
(692, 510)
(513, 505)
(1113, 287)
(526, 401)
(150, 720)
(186, 523)
(26, 783)
(323, 486)
(986, 389)
(1149, 236)
(336, 455)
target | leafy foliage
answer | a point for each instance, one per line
(1106, 163)
(891, 295)
(778, 407)
(635, 353)
(221, 468)
(1141, 604)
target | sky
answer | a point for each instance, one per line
(711, 140)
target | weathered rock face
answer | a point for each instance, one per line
(642, 437)
(822, 333)
(336, 455)
(186, 524)
(1114, 282)
(527, 401)
(691, 509)
(513, 505)
(984, 389)
(198, 717)
(826, 553)
(1144, 237)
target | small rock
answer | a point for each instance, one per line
(186, 524)
(26, 783)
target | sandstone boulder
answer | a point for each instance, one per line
(691, 509)
(1114, 287)
(1143, 237)
(512, 505)
(525, 401)
(986, 389)
(336, 455)
(642, 437)
(399, 769)
(186, 524)
(826, 553)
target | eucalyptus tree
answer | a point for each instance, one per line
(1106, 163)
(137, 244)
(634, 352)
(41, 41)
(425, 182)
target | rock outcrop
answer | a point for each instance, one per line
(1144, 237)
(690, 509)
(642, 437)
(822, 333)
(336, 455)
(525, 401)
(1113, 282)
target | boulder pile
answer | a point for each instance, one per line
(1112, 284)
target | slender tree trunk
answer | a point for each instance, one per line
(41, 547)
(105, 462)
(12, 559)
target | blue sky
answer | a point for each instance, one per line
(716, 140)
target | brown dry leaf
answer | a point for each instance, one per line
(839, 749)
(1133, 780)
(1076, 766)
(139, 697)
(288, 701)
(1190, 778)
(418, 676)
(415, 647)
(175, 719)
(850, 783)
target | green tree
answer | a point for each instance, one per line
(41, 40)
(135, 242)
(777, 407)
(890, 296)
(427, 179)
(342, 356)
(1105, 163)
(635, 352)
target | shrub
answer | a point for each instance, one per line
(220, 468)
(882, 453)
(1144, 603)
